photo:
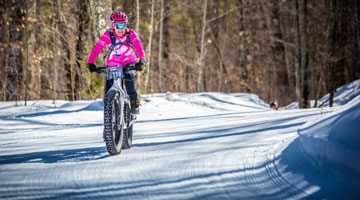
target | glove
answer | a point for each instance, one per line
(139, 66)
(92, 67)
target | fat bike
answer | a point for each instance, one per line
(118, 116)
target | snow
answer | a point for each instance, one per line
(335, 139)
(186, 146)
(342, 95)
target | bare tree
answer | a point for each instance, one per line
(148, 50)
(304, 53)
(137, 16)
(37, 52)
(79, 47)
(202, 49)
(15, 70)
(298, 54)
(100, 12)
(160, 45)
(3, 48)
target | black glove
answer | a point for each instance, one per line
(92, 67)
(139, 66)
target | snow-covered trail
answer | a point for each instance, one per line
(197, 153)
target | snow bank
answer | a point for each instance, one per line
(10, 108)
(195, 104)
(343, 95)
(333, 141)
(95, 106)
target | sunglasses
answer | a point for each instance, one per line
(119, 26)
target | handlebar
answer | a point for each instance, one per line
(128, 67)
(101, 70)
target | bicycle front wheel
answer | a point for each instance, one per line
(113, 123)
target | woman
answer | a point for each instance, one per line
(125, 47)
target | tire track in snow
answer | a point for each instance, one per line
(260, 172)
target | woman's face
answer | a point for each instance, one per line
(119, 28)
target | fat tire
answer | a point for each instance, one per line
(128, 132)
(113, 140)
(128, 136)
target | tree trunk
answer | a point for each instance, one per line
(56, 64)
(304, 53)
(129, 7)
(298, 55)
(219, 42)
(37, 54)
(160, 46)
(27, 65)
(273, 68)
(284, 22)
(243, 72)
(202, 49)
(331, 99)
(148, 51)
(14, 75)
(165, 41)
(336, 48)
(137, 16)
(3, 51)
(100, 17)
(82, 20)
(278, 49)
(70, 29)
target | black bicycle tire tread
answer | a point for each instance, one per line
(108, 137)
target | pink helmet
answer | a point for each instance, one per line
(118, 16)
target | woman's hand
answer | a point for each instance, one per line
(139, 66)
(92, 67)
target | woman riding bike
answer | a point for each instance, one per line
(125, 47)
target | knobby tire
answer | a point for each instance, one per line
(113, 128)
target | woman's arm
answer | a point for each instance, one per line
(99, 46)
(135, 40)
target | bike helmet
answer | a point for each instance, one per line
(118, 17)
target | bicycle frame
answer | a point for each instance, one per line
(117, 86)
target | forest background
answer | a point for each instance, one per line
(281, 50)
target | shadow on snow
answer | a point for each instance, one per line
(296, 162)
(71, 155)
(232, 131)
(93, 106)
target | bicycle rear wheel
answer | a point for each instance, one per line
(128, 132)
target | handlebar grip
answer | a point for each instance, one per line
(131, 66)
(138, 67)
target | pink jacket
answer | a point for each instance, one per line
(123, 54)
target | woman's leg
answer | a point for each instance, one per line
(131, 90)
(130, 85)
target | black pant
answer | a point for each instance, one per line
(129, 78)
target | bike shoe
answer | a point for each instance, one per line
(135, 106)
